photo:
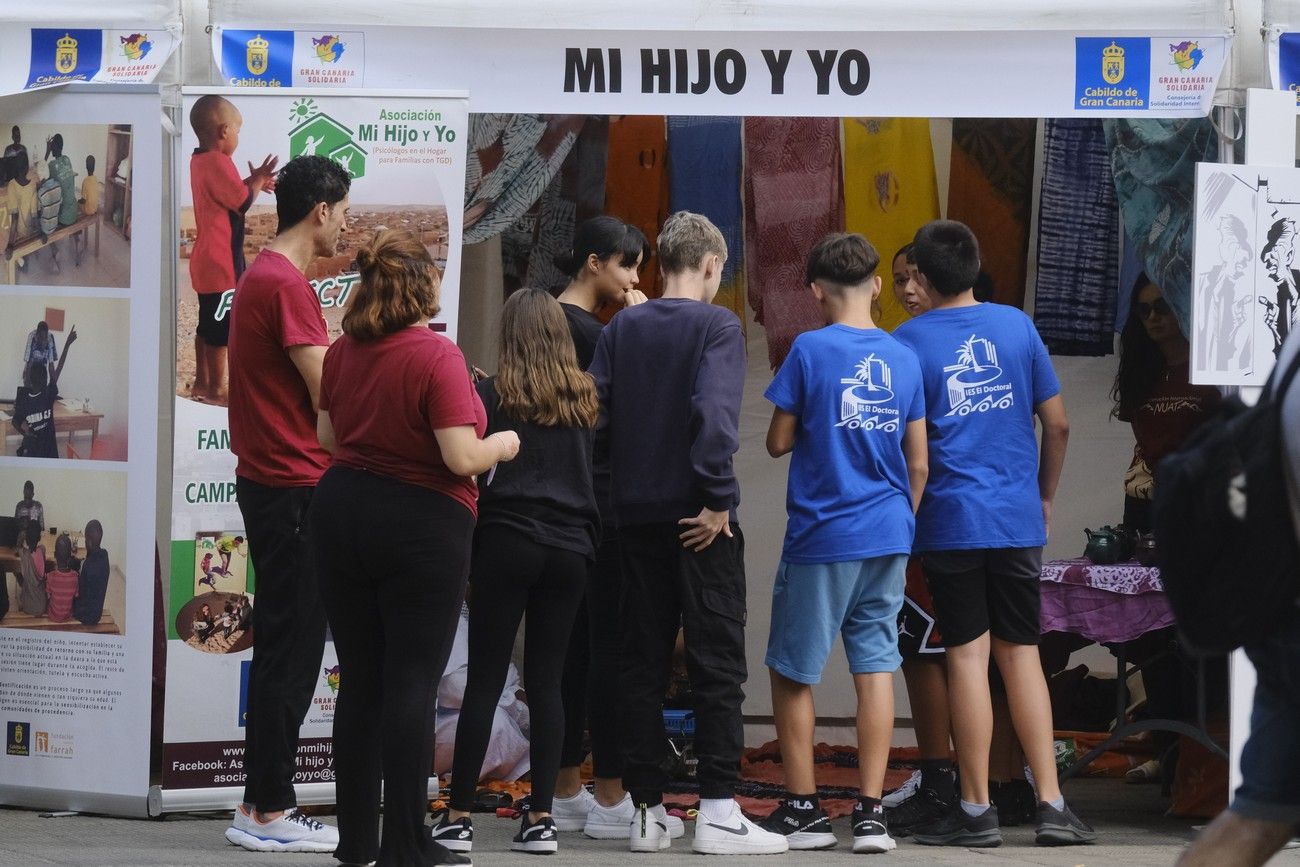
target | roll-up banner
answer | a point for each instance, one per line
(991, 74)
(81, 229)
(406, 154)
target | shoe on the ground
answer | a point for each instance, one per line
(443, 855)
(570, 814)
(457, 836)
(958, 829)
(292, 832)
(1147, 772)
(802, 829)
(896, 797)
(537, 838)
(1015, 801)
(611, 823)
(925, 806)
(647, 832)
(1061, 827)
(736, 836)
(870, 831)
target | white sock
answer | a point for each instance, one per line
(973, 810)
(717, 809)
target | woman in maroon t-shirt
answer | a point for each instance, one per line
(1153, 394)
(392, 520)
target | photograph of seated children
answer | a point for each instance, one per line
(217, 622)
(221, 199)
(62, 560)
(61, 223)
(57, 401)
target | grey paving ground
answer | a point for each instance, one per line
(1136, 833)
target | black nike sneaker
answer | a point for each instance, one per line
(457, 836)
(802, 826)
(537, 838)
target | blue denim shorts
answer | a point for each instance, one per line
(813, 602)
(1270, 761)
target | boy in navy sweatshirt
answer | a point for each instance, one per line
(670, 374)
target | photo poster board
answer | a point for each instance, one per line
(1246, 289)
(75, 677)
(406, 154)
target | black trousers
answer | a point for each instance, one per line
(667, 586)
(394, 558)
(514, 577)
(289, 638)
(593, 669)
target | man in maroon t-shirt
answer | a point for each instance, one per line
(277, 345)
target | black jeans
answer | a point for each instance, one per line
(668, 585)
(514, 577)
(593, 669)
(394, 559)
(289, 638)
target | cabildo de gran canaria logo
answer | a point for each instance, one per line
(315, 133)
(1112, 73)
(65, 55)
(257, 58)
(61, 56)
(258, 55)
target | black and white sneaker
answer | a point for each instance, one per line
(870, 832)
(923, 807)
(958, 829)
(458, 836)
(1062, 827)
(537, 838)
(801, 825)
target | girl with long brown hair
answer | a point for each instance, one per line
(536, 536)
(392, 520)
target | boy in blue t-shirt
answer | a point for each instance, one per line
(983, 522)
(850, 406)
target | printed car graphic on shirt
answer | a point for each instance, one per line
(973, 384)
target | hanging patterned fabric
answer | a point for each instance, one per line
(1154, 163)
(511, 160)
(793, 196)
(704, 157)
(990, 189)
(1078, 241)
(636, 183)
(890, 191)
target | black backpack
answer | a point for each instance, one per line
(1228, 552)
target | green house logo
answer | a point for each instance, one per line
(317, 134)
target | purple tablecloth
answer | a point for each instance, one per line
(1105, 604)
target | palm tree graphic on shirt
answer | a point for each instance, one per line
(871, 384)
(977, 366)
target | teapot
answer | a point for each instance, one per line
(1103, 546)
(1147, 553)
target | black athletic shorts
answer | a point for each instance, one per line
(214, 331)
(991, 590)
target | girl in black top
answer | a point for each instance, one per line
(536, 534)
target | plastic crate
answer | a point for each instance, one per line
(679, 723)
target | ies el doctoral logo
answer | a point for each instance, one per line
(1186, 55)
(315, 133)
(136, 47)
(18, 739)
(329, 48)
(1112, 63)
(332, 679)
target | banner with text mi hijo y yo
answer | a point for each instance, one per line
(405, 153)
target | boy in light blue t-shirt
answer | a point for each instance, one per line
(983, 522)
(849, 405)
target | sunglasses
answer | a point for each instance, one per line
(1159, 306)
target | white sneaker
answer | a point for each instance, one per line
(648, 832)
(292, 832)
(909, 788)
(610, 823)
(570, 814)
(736, 836)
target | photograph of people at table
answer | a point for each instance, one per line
(63, 555)
(57, 401)
(65, 204)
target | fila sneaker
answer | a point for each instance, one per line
(801, 825)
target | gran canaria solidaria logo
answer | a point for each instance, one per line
(332, 678)
(136, 47)
(329, 48)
